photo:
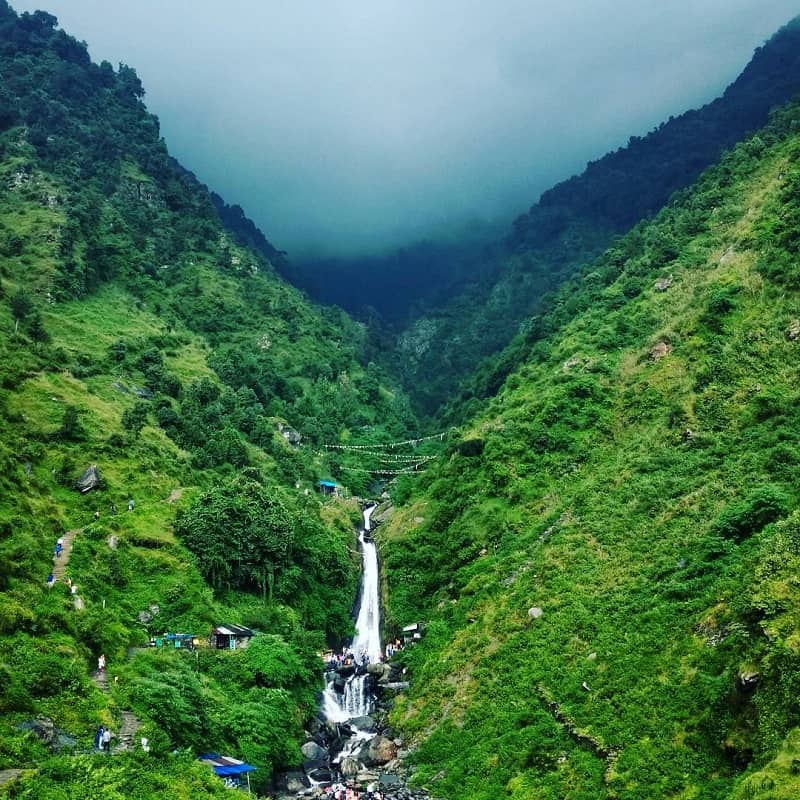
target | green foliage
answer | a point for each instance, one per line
(636, 483)
(241, 535)
(759, 508)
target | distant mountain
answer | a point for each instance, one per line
(577, 219)
(606, 560)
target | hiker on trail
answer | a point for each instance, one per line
(59, 548)
(98, 738)
(101, 663)
(130, 504)
(113, 508)
(107, 740)
(97, 515)
(51, 581)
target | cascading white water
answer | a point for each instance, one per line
(366, 646)
(367, 642)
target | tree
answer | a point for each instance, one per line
(71, 428)
(241, 535)
(135, 418)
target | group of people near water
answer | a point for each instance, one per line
(347, 658)
(338, 791)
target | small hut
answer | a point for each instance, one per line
(231, 637)
(328, 487)
(412, 633)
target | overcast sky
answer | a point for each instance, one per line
(353, 125)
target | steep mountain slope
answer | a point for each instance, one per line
(607, 561)
(140, 337)
(577, 219)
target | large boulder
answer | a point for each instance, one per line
(313, 752)
(378, 751)
(296, 782)
(90, 479)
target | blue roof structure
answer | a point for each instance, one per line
(330, 484)
(225, 766)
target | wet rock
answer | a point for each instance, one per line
(295, 781)
(45, 730)
(313, 752)
(42, 727)
(90, 479)
(394, 688)
(321, 775)
(364, 724)
(289, 433)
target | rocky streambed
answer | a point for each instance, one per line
(362, 753)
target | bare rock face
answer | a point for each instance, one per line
(89, 479)
(663, 283)
(748, 680)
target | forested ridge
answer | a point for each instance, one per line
(498, 288)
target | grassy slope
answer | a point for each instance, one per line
(625, 495)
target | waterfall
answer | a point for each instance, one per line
(355, 701)
(368, 625)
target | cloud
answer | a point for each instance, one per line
(354, 125)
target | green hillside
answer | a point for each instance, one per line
(607, 561)
(140, 336)
(487, 305)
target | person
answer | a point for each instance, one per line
(59, 548)
(113, 508)
(51, 581)
(107, 740)
(98, 738)
(97, 515)
(130, 504)
(101, 662)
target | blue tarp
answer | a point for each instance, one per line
(225, 766)
(329, 484)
